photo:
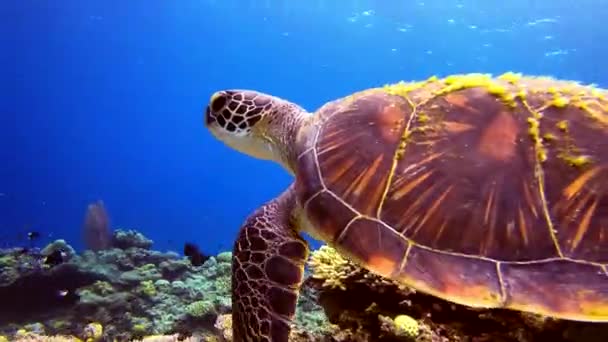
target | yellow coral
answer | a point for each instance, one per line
(93, 332)
(170, 338)
(327, 264)
(223, 324)
(406, 326)
(3, 338)
(139, 328)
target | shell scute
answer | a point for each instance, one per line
(576, 178)
(356, 147)
(371, 243)
(573, 289)
(466, 181)
(308, 179)
(329, 215)
(470, 281)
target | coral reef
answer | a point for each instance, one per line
(124, 239)
(121, 293)
(41, 292)
(377, 309)
(129, 290)
(132, 292)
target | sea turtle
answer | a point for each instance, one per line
(487, 191)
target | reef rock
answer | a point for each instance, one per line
(131, 291)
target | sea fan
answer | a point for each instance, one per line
(96, 230)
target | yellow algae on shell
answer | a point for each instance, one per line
(534, 131)
(495, 86)
(510, 77)
(559, 102)
(512, 89)
(576, 161)
(562, 125)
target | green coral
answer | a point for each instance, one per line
(140, 329)
(212, 283)
(8, 268)
(173, 269)
(59, 324)
(129, 238)
(148, 288)
(162, 285)
(310, 316)
(145, 272)
(8, 260)
(224, 257)
(200, 308)
(141, 326)
(102, 287)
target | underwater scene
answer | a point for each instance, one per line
(291, 170)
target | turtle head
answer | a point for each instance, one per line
(257, 124)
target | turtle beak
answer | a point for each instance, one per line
(209, 118)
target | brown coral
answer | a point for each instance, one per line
(96, 229)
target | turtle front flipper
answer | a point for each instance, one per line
(267, 271)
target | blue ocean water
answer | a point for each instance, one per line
(104, 99)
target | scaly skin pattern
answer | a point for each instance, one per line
(485, 191)
(268, 266)
(257, 124)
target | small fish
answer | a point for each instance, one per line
(194, 254)
(67, 297)
(33, 235)
(55, 258)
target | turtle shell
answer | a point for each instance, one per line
(488, 192)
